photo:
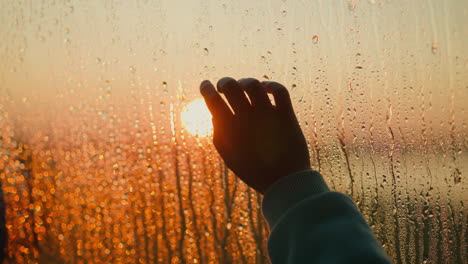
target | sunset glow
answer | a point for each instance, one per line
(196, 118)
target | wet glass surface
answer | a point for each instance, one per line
(105, 152)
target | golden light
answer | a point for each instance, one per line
(196, 118)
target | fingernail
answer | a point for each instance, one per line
(205, 82)
(206, 89)
(225, 83)
(241, 83)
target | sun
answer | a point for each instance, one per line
(196, 118)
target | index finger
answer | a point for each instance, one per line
(215, 103)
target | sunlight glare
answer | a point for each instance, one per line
(196, 118)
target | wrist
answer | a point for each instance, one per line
(273, 178)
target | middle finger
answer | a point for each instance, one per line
(234, 95)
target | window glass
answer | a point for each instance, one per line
(106, 155)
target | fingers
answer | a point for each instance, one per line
(281, 95)
(234, 94)
(256, 92)
(217, 106)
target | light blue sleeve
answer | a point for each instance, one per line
(310, 224)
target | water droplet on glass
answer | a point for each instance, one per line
(315, 39)
(132, 69)
(435, 48)
(164, 87)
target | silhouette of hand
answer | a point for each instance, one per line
(259, 142)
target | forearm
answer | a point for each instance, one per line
(310, 224)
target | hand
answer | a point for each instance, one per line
(259, 142)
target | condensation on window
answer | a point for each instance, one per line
(102, 159)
